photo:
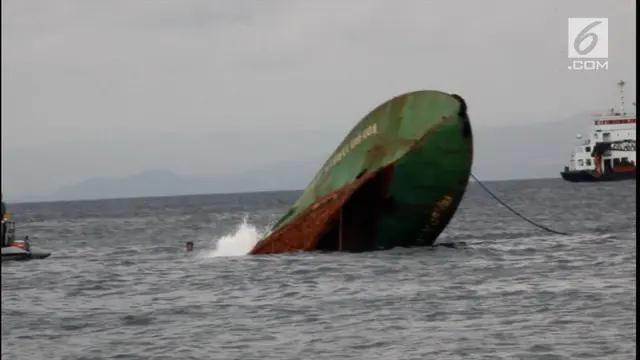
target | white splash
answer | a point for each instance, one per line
(237, 243)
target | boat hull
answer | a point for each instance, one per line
(12, 253)
(396, 180)
(577, 176)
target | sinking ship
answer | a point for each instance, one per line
(395, 180)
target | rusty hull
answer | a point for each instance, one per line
(304, 232)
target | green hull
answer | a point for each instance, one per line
(403, 170)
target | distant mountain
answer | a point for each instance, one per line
(501, 152)
(166, 183)
(149, 183)
(36, 171)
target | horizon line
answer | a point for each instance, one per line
(21, 201)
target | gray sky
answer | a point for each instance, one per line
(77, 75)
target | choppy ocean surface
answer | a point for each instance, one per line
(118, 285)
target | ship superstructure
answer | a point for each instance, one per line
(609, 151)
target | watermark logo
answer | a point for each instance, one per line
(588, 44)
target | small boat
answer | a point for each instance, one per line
(17, 249)
(396, 180)
(609, 153)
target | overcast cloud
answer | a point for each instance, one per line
(78, 73)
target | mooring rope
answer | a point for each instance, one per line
(514, 211)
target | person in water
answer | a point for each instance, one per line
(189, 246)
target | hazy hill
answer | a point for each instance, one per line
(165, 183)
(501, 152)
(40, 172)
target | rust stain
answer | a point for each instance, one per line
(440, 207)
(397, 109)
(419, 142)
(304, 232)
(374, 154)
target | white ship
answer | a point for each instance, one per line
(609, 152)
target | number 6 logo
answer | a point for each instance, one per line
(584, 35)
(588, 38)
